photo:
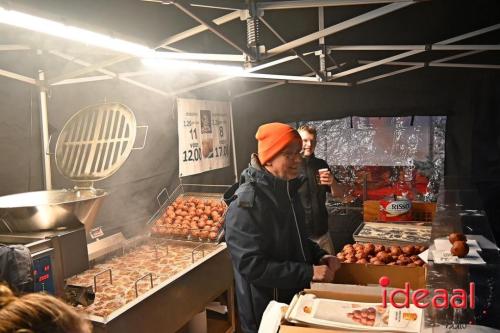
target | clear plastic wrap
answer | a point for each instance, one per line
(381, 156)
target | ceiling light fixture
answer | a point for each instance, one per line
(162, 64)
(53, 28)
(34, 23)
(149, 56)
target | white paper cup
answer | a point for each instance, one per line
(318, 175)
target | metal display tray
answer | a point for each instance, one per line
(161, 295)
(198, 191)
(393, 234)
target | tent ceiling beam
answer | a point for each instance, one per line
(73, 77)
(430, 47)
(406, 63)
(254, 91)
(437, 64)
(212, 27)
(410, 53)
(321, 26)
(108, 75)
(83, 80)
(273, 5)
(374, 64)
(300, 56)
(178, 37)
(14, 47)
(216, 4)
(88, 69)
(414, 65)
(198, 29)
(18, 77)
(399, 71)
(225, 78)
(338, 27)
(457, 56)
(274, 85)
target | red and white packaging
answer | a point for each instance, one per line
(395, 209)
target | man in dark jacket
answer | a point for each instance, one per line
(272, 255)
(319, 181)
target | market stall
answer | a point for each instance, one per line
(113, 280)
(167, 123)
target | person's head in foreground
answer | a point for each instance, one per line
(279, 147)
(308, 135)
(38, 313)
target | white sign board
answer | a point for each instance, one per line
(204, 135)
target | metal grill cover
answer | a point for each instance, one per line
(95, 142)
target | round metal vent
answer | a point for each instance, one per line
(95, 142)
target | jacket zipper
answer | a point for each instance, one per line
(275, 294)
(295, 219)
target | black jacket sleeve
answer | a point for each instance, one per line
(247, 242)
(316, 250)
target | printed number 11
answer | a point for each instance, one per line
(193, 134)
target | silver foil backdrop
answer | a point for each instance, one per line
(412, 148)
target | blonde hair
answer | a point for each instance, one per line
(308, 129)
(38, 313)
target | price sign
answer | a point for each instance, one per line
(204, 135)
(96, 233)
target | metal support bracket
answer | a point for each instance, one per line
(100, 273)
(139, 279)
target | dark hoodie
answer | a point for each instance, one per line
(313, 197)
(270, 249)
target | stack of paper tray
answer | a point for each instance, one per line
(392, 234)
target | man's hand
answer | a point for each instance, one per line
(331, 261)
(323, 273)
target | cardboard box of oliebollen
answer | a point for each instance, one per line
(355, 301)
(358, 309)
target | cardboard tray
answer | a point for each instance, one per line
(403, 234)
(357, 276)
(362, 295)
(287, 327)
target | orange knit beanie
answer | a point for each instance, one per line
(273, 138)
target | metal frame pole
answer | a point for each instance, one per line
(339, 27)
(294, 4)
(297, 54)
(321, 26)
(233, 143)
(163, 44)
(273, 85)
(410, 53)
(212, 27)
(14, 47)
(16, 76)
(429, 47)
(198, 29)
(44, 123)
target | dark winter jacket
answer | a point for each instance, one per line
(313, 197)
(16, 267)
(265, 233)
